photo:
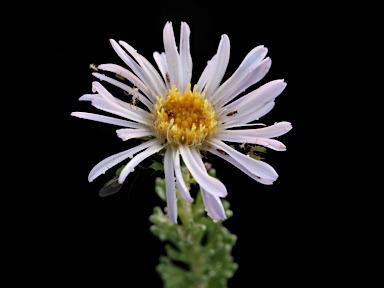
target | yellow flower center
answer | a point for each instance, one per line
(184, 118)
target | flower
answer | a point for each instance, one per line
(186, 121)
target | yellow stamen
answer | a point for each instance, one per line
(184, 118)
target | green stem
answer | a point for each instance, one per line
(197, 242)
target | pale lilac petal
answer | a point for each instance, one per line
(183, 189)
(97, 86)
(275, 130)
(239, 166)
(251, 78)
(126, 88)
(248, 118)
(255, 100)
(107, 106)
(135, 110)
(245, 138)
(134, 113)
(130, 167)
(271, 144)
(151, 75)
(161, 61)
(259, 168)
(210, 184)
(213, 206)
(170, 186)
(113, 160)
(89, 97)
(136, 68)
(246, 67)
(205, 75)
(130, 77)
(219, 67)
(212, 203)
(108, 120)
(129, 61)
(185, 57)
(127, 133)
(173, 57)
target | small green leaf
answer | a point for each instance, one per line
(160, 188)
(157, 166)
(117, 173)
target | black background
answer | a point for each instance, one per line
(77, 236)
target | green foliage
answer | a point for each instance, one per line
(198, 249)
(157, 166)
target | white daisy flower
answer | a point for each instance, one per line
(187, 120)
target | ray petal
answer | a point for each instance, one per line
(231, 160)
(172, 55)
(250, 62)
(183, 189)
(210, 184)
(130, 167)
(213, 206)
(170, 186)
(128, 133)
(259, 168)
(108, 120)
(219, 67)
(113, 160)
(185, 57)
(126, 88)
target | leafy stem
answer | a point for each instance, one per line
(198, 250)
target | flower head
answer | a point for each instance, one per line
(185, 120)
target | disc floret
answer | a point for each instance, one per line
(184, 118)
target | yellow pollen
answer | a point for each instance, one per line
(184, 118)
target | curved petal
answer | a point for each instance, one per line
(248, 118)
(108, 106)
(152, 77)
(113, 160)
(136, 81)
(161, 61)
(185, 57)
(239, 166)
(213, 206)
(275, 130)
(129, 61)
(251, 78)
(210, 184)
(126, 88)
(108, 120)
(173, 58)
(270, 143)
(155, 147)
(136, 68)
(205, 75)
(219, 67)
(170, 186)
(127, 133)
(183, 189)
(89, 97)
(212, 203)
(259, 168)
(133, 112)
(255, 100)
(246, 67)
